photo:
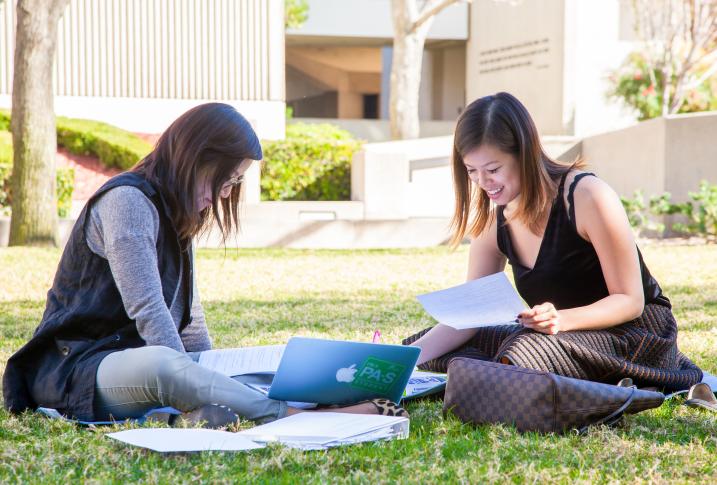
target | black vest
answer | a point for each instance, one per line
(85, 319)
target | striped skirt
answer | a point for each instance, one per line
(644, 349)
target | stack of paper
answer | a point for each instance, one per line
(321, 430)
(247, 360)
(306, 431)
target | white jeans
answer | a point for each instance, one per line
(131, 382)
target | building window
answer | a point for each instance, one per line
(370, 106)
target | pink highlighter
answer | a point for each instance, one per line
(376, 337)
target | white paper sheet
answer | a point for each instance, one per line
(247, 360)
(185, 439)
(491, 300)
(326, 428)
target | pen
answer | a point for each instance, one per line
(376, 337)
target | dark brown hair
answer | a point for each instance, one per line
(502, 121)
(208, 142)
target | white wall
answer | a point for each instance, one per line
(139, 64)
(595, 44)
(449, 89)
(519, 49)
(555, 56)
(670, 154)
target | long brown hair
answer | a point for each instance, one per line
(503, 122)
(208, 142)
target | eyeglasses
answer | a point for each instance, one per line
(232, 182)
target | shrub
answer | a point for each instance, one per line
(113, 146)
(4, 120)
(637, 212)
(701, 212)
(5, 147)
(65, 187)
(312, 163)
(5, 170)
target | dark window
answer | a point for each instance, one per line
(370, 106)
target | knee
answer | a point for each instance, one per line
(163, 363)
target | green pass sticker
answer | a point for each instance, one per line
(377, 375)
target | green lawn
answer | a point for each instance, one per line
(265, 296)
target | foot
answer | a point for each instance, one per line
(211, 416)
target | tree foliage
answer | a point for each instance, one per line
(296, 12)
(675, 69)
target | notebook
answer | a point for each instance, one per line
(342, 372)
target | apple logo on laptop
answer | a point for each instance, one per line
(346, 374)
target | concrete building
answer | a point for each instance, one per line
(555, 56)
(138, 64)
(338, 67)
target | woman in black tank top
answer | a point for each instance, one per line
(595, 311)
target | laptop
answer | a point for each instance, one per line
(341, 372)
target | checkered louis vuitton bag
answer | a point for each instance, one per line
(487, 392)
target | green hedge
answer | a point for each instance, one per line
(114, 147)
(5, 147)
(4, 120)
(312, 163)
(65, 180)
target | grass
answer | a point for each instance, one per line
(264, 296)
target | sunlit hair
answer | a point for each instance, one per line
(208, 142)
(500, 120)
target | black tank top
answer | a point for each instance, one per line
(567, 272)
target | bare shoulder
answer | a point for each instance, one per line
(596, 204)
(589, 190)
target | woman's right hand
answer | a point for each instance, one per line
(542, 318)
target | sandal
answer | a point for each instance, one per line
(701, 395)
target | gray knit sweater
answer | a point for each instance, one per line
(123, 228)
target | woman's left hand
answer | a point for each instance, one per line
(541, 318)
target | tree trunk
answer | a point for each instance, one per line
(406, 69)
(34, 205)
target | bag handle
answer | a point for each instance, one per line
(613, 417)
